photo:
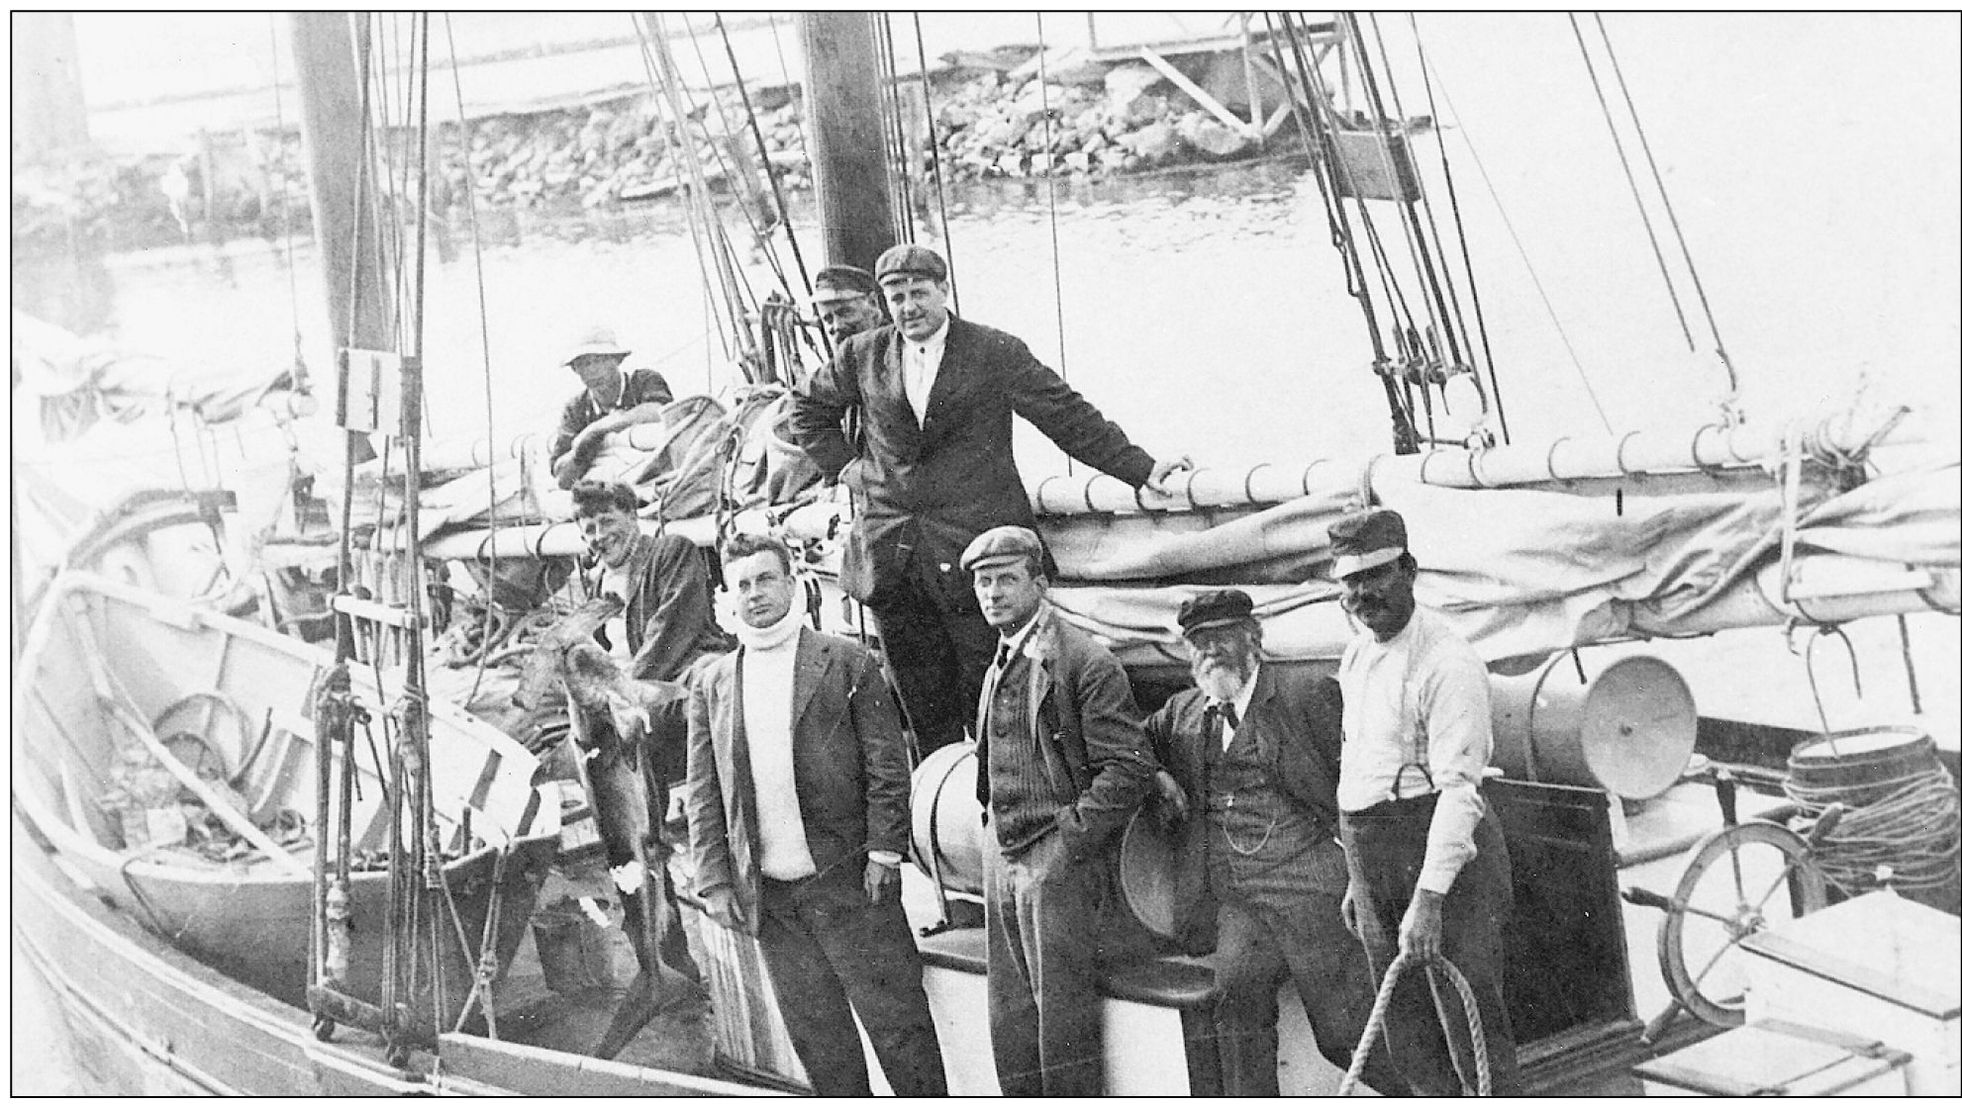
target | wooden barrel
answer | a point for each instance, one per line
(947, 818)
(1630, 729)
(1862, 762)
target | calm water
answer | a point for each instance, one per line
(1813, 162)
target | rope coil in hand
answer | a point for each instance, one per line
(1379, 1012)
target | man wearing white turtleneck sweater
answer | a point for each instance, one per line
(798, 811)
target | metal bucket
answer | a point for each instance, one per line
(947, 819)
(1630, 729)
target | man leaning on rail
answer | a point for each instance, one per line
(1253, 752)
(1429, 876)
(936, 396)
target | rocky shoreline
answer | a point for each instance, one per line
(994, 117)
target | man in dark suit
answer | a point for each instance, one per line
(1060, 764)
(937, 397)
(798, 812)
(1252, 751)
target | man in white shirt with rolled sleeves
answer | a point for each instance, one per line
(1429, 876)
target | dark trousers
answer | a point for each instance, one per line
(831, 951)
(1267, 937)
(1045, 1016)
(938, 647)
(1385, 846)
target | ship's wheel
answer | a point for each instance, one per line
(1740, 880)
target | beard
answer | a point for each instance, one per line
(1223, 681)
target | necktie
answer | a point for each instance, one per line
(1227, 719)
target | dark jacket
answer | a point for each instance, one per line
(1295, 719)
(1087, 727)
(853, 780)
(637, 388)
(928, 490)
(670, 613)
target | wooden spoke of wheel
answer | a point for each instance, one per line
(1721, 850)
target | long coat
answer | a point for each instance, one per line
(1087, 727)
(927, 489)
(1295, 721)
(847, 751)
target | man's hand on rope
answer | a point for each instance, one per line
(1422, 934)
(1163, 471)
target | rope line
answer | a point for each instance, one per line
(1055, 240)
(1668, 207)
(1379, 1015)
(1533, 273)
(1908, 824)
(1628, 172)
(763, 152)
(1464, 243)
(939, 169)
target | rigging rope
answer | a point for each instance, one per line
(1628, 173)
(939, 169)
(1669, 208)
(763, 152)
(286, 211)
(1341, 237)
(741, 183)
(483, 333)
(1055, 240)
(1531, 272)
(1464, 246)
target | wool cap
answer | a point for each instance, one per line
(841, 282)
(1001, 544)
(1213, 608)
(1366, 539)
(910, 261)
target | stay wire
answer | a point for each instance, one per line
(1628, 173)
(1055, 239)
(1526, 259)
(1309, 98)
(741, 183)
(1464, 243)
(286, 209)
(1454, 314)
(763, 153)
(1669, 208)
(483, 333)
(939, 166)
(1413, 232)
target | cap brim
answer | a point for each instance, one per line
(1216, 623)
(995, 559)
(835, 295)
(1345, 566)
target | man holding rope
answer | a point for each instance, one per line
(1429, 877)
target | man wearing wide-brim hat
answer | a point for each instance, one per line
(1249, 758)
(610, 400)
(938, 397)
(1428, 869)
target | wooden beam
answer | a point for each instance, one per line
(1187, 86)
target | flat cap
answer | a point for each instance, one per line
(910, 260)
(1214, 608)
(841, 282)
(1003, 542)
(1366, 539)
(594, 341)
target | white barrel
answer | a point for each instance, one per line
(947, 818)
(1629, 729)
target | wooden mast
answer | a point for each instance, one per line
(848, 150)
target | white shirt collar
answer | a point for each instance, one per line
(1244, 699)
(935, 341)
(1021, 636)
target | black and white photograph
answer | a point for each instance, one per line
(986, 553)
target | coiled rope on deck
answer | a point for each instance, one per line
(1908, 824)
(1379, 1012)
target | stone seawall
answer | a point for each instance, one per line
(994, 118)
